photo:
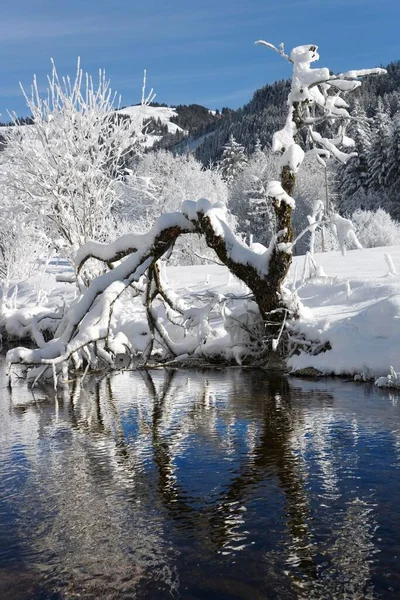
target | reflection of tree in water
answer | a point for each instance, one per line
(271, 456)
(84, 538)
(329, 447)
(349, 548)
(109, 476)
(347, 575)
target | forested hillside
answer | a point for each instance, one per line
(369, 181)
(265, 113)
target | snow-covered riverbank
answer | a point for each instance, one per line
(353, 303)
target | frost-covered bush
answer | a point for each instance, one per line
(247, 197)
(21, 247)
(160, 181)
(372, 228)
(64, 168)
(376, 228)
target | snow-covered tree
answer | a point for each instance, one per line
(85, 333)
(375, 228)
(248, 198)
(377, 158)
(354, 173)
(64, 168)
(160, 181)
(233, 160)
(393, 163)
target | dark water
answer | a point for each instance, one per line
(215, 485)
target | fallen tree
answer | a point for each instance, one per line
(84, 335)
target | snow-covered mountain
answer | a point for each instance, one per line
(157, 113)
(158, 120)
(168, 127)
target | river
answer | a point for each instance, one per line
(218, 484)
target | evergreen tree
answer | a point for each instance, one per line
(353, 176)
(248, 199)
(378, 157)
(392, 179)
(233, 160)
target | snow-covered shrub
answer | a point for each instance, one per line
(65, 167)
(248, 200)
(160, 182)
(376, 228)
(392, 380)
(21, 247)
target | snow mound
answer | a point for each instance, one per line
(363, 327)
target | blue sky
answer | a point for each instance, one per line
(200, 52)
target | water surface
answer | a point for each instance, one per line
(223, 484)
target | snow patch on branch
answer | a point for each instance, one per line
(236, 249)
(276, 192)
(345, 233)
(284, 138)
(292, 158)
(363, 72)
(342, 157)
(131, 242)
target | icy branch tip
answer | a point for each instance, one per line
(280, 50)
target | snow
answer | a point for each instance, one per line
(357, 309)
(285, 137)
(276, 191)
(144, 112)
(292, 158)
(352, 302)
(364, 72)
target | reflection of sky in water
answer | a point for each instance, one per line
(223, 484)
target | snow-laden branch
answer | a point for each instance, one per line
(315, 96)
(88, 320)
(277, 194)
(280, 50)
(130, 242)
(211, 219)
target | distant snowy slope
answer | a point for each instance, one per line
(164, 113)
(190, 144)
